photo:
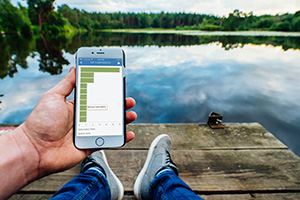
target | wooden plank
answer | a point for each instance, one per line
(53, 182)
(220, 170)
(213, 171)
(272, 196)
(9, 125)
(195, 136)
(30, 197)
(244, 170)
(200, 136)
(242, 158)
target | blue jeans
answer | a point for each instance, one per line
(92, 184)
(167, 185)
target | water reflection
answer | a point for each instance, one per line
(49, 49)
(51, 56)
(14, 52)
(253, 84)
(174, 78)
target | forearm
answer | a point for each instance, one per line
(19, 162)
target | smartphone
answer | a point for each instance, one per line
(99, 118)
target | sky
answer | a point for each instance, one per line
(214, 7)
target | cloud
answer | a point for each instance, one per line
(215, 7)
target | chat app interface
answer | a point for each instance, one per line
(100, 97)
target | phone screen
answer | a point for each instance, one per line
(100, 101)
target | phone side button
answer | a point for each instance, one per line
(99, 141)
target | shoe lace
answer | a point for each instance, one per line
(169, 162)
(87, 163)
(168, 159)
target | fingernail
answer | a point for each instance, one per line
(71, 69)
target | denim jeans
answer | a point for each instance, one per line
(167, 185)
(92, 184)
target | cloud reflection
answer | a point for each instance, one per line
(253, 84)
(184, 84)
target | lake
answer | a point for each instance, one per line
(175, 78)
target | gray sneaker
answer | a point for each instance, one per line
(158, 158)
(98, 158)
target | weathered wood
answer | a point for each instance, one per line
(220, 170)
(272, 196)
(9, 125)
(30, 197)
(200, 136)
(242, 161)
(204, 171)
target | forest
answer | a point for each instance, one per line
(41, 16)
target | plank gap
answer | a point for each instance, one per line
(247, 192)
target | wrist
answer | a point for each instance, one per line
(18, 163)
(28, 156)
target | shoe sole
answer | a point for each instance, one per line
(137, 183)
(119, 184)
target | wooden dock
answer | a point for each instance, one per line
(242, 161)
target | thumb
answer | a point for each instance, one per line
(66, 85)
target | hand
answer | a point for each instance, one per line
(50, 128)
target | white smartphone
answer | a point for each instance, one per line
(99, 118)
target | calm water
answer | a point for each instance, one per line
(174, 78)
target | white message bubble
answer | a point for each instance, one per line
(97, 107)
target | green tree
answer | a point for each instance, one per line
(296, 24)
(296, 21)
(236, 20)
(70, 14)
(281, 26)
(264, 23)
(39, 11)
(12, 19)
(84, 20)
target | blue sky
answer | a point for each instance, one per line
(215, 7)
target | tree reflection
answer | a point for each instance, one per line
(51, 55)
(16, 49)
(144, 39)
(232, 42)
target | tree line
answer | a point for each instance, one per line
(41, 16)
(236, 21)
(49, 49)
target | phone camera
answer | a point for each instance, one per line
(92, 52)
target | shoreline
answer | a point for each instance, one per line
(207, 33)
(179, 32)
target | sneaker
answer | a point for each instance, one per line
(98, 158)
(158, 158)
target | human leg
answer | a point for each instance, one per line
(167, 185)
(158, 178)
(91, 184)
(96, 181)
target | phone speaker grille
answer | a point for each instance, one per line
(100, 52)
